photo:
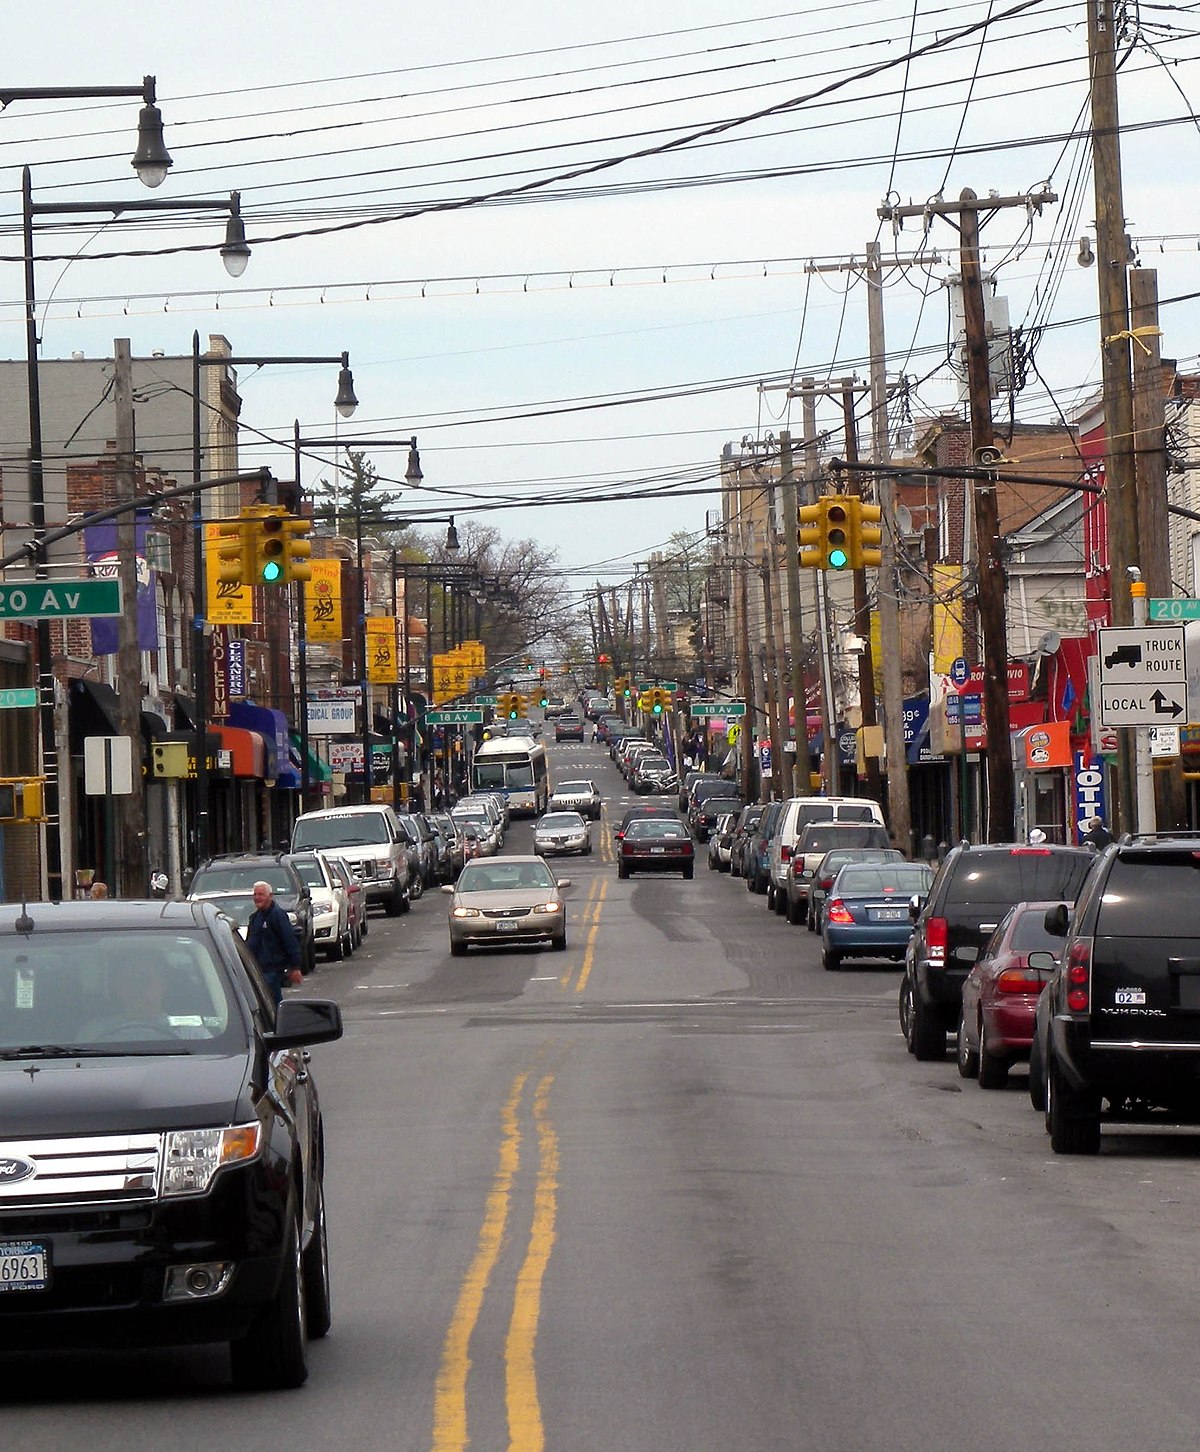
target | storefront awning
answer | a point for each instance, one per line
(318, 770)
(247, 749)
(272, 726)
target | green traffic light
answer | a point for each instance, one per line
(271, 573)
(838, 559)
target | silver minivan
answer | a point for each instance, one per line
(797, 813)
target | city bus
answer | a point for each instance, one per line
(516, 766)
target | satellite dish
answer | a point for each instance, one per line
(1049, 643)
(904, 519)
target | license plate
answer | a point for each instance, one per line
(658, 849)
(506, 925)
(889, 915)
(24, 1266)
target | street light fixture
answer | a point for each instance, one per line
(151, 159)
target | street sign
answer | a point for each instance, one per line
(18, 696)
(107, 766)
(643, 685)
(455, 716)
(1168, 610)
(704, 709)
(959, 670)
(1143, 676)
(485, 700)
(1164, 740)
(60, 599)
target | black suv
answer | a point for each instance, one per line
(162, 1156)
(232, 875)
(973, 889)
(1119, 1022)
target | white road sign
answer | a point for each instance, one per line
(1143, 676)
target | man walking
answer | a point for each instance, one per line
(272, 940)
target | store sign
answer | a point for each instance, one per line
(218, 657)
(1088, 778)
(331, 718)
(236, 659)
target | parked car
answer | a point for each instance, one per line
(355, 896)
(568, 727)
(721, 840)
(330, 904)
(560, 833)
(173, 1193)
(652, 774)
(486, 828)
(660, 813)
(811, 845)
(829, 867)
(756, 858)
(973, 889)
(797, 813)
(1000, 996)
(507, 900)
(747, 820)
(708, 799)
(232, 873)
(1118, 1025)
(689, 780)
(368, 839)
(577, 796)
(418, 856)
(656, 844)
(866, 914)
(605, 726)
(451, 834)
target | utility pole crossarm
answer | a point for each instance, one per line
(1032, 201)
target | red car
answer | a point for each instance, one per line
(1000, 996)
(653, 844)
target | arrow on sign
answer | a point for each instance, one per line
(1163, 706)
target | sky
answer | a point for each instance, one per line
(566, 351)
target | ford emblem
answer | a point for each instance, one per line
(13, 1169)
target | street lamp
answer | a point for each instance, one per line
(235, 254)
(151, 160)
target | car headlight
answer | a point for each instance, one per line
(465, 912)
(548, 907)
(193, 1156)
(383, 868)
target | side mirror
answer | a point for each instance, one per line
(564, 882)
(915, 904)
(1056, 919)
(447, 887)
(302, 1021)
(1043, 961)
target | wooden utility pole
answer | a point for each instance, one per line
(746, 670)
(133, 869)
(1112, 261)
(862, 609)
(798, 733)
(776, 711)
(992, 582)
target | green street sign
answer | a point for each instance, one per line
(455, 716)
(728, 710)
(18, 696)
(671, 686)
(1169, 610)
(485, 700)
(60, 599)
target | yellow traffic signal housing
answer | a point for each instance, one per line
(839, 513)
(22, 799)
(811, 520)
(235, 559)
(297, 550)
(169, 759)
(866, 552)
(267, 553)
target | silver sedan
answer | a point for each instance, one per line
(507, 900)
(561, 832)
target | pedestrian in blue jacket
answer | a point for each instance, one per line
(272, 940)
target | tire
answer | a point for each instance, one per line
(993, 1071)
(904, 1012)
(622, 870)
(559, 944)
(780, 903)
(712, 866)
(416, 889)
(337, 950)
(830, 961)
(457, 949)
(770, 893)
(1073, 1119)
(688, 873)
(308, 961)
(398, 902)
(928, 1033)
(791, 910)
(968, 1058)
(318, 1301)
(1037, 1075)
(272, 1355)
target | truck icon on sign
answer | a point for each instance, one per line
(1130, 655)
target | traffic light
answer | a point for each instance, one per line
(865, 550)
(235, 557)
(21, 799)
(522, 708)
(297, 550)
(264, 524)
(827, 530)
(622, 687)
(509, 705)
(838, 510)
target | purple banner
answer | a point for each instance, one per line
(100, 545)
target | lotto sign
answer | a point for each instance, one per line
(323, 602)
(1088, 773)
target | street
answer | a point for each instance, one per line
(677, 1187)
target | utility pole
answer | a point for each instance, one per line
(812, 465)
(746, 670)
(990, 592)
(775, 709)
(862, 609)
(801, 786)
(133, 870)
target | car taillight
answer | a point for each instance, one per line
(1018, 980)
(785, 854)
(837, 912)
(1079, 976)
(626, 847)
(937, 935)
(825, 883)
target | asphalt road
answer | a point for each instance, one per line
(678, 1188)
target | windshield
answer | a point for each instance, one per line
(130, 991)
(489, 774)
(241, 878)
(573, 789)
(656, 827)
(360, 830)
(496, 875)
(560, 821)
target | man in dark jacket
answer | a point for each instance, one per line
(272, 940)
(1097, 835)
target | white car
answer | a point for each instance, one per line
(576, 796)
(561, 832)
(332, 929)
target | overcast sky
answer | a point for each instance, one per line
(492, 326)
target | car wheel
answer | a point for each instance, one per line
(830, 961)
(457, 949)
(416, 889)
(688, 873)
(770, 898)
(318, 1301)
(780, 903)
(928, 1032)
(1037, 1075)
(398, 902)
(364, 926)
(904, 1011)
(273, 1354)
(968, 1058)
(993, 1071)
(559, 944)
(337, 950)
(622, 870)
(791, 909)
(1072, 1118)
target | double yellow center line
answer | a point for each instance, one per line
(591, 923)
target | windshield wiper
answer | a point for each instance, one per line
(49, 1051)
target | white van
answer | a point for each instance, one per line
(797, 813)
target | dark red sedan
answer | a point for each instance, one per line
(1000, 996)
(652, 844)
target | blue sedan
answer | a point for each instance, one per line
(866, 911)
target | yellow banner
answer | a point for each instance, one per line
(227, 604)
(947, 617)
(451, 676)
(323, 602)
(877, 652)
(474, 654)
(382, 656)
